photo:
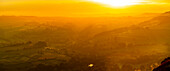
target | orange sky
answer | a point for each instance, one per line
(77, 8)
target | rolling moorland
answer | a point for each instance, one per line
(29, 43)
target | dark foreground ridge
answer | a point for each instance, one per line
(165, 65)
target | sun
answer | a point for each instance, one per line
(119, 3)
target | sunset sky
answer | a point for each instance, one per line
(81, 7)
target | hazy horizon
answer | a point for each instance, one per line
(84, 35)
(151, 14)
(79, 7)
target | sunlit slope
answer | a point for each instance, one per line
(144, 40)
(154, 31)
(14, 28)
(73, 43)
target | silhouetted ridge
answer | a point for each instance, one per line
(166, 14)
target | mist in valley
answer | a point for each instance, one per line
(127, 43)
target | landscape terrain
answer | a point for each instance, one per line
(127, 43)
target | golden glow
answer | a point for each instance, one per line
(83, 8)
(90, 65)
(119, 3)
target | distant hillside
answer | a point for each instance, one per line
(147, 38)
(155, 30)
